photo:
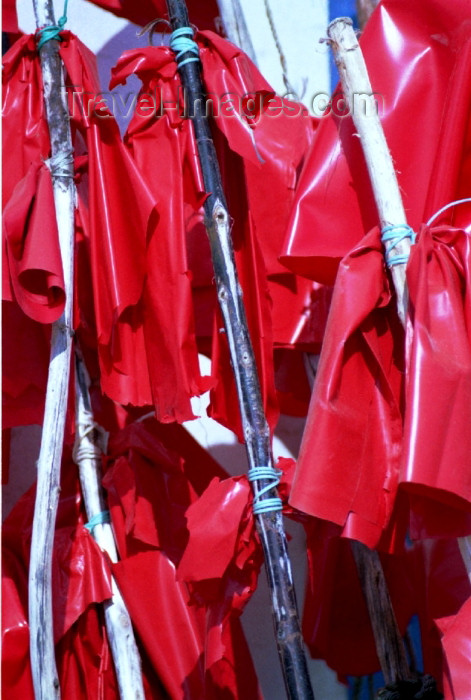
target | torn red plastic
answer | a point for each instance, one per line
(349, 461)
(202, 14)
(32, 263)
(149, 489)
(406, 47)
(114, 211)
(244, 138)
(223, 556)
(80, 580)
(336, 622)
(437, 444)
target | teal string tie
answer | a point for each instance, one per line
(54, 30)
(396, 234)
(260, 504)
(98, 519)
(181, 42)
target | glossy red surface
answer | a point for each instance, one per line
(190, 648)
(417, 57)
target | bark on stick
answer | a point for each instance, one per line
(89, 446)
(361, 102)
(45, 679)
(256, 430)
(355, 82)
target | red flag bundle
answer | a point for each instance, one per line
(202, 13)
(359, 394)
(114, 211)
(178, 252)
(406, 48)
(149, 486)
(378, 448)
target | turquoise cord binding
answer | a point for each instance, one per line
(396, 234)
(181, 42)
(98, 519)
(54, 30)
(260, 504)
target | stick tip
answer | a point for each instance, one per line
(339, 20)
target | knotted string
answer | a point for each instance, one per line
(181, 42)
(447, 206)
(396, 234)
(260, 504)
(98, 519)
(90, 442)
(59, 164)
(53, 30)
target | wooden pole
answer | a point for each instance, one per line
(235, 27)
(361, 102)
(355, 83)
(89, 446)
(255, 427)
(45, 679)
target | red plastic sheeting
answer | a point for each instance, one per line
(33, 266)
(112, 219)
(457, 647)
(349, 461)
(354, 451)
(202, 14)
(221, 561)
(196, 650)
(437, 442)
(336, 623)
(428, 579)
(80, 579)
(442, 594)
(418, 60)
(254, 145)
(187, 650)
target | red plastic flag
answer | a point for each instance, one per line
(114, 210)
(248, 141)
(202, 14)
(150, 487)
(406, 48)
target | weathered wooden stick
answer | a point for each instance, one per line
(235, 27)
(89, 446)
(355, 83)
(389, 644)
(363, 108)
(45, 679)
(256, 430)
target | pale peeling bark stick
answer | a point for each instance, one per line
(235, 26)
(356, 83)
(45, 679)
(363, 108)
(256, 430)
(90, 444)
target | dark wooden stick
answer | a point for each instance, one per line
(255, 427)
(388, 640)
